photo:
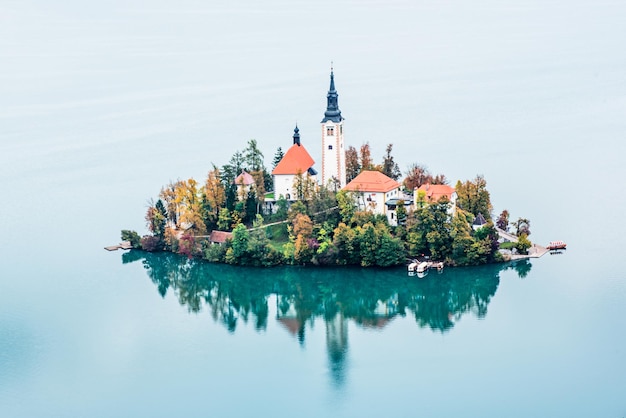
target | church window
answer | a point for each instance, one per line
(330, 131)
(330, 147)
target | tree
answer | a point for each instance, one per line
(302, 225)
(224, 220)
(253, 157)
(131, 236)
(214, 194)
(390, 167)
(401, 212)
(368, 244)
(238, 252)
(366, 157)
(168, 196)
(277, 157)
(346, 243)
(390, 250)
(188, 205)
(439, 179)
(304, 187)
(503, 220)
(522, 227)
(156, 219)
(416, 175)
(346, 205)
(473, 197)
(523, 244)
(353, 168)
(302, 251)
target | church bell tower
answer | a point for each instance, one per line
(333, 150)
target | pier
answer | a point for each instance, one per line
(124, 245)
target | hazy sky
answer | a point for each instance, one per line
(168, 87)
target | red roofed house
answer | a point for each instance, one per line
(244, 182)
(374, 189)
(220, 237)
(295, 161)
(433, 192)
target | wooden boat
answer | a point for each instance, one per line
(556, 245)
(422, 267)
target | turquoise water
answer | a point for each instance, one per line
(100, 105)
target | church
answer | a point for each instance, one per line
(297, 161)
(297, 166)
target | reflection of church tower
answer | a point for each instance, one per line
(337, 347)
(333, 152)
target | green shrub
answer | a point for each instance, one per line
(131, 236)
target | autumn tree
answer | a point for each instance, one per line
(353, 167)
(473, 196)
(302, 225)
(365, 155)
(304, 186)
(214, 195)
(168, 196)
(503, 220)
(189, 206)
(416, 175)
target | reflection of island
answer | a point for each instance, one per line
(369, 298)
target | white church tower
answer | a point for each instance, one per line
(333, 150)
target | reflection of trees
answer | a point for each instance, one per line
(369, 297)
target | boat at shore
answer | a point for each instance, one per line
(422, 267)
(556, 245)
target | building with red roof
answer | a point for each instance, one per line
(244, 182)
(429, 193)
(296, 161)
(373, 189)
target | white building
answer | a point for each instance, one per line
(429, 193)
(296, 161)
(333, 150)
(373, 189)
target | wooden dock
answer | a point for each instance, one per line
(535, 251)
(124, 245)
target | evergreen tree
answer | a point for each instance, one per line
(390, 167)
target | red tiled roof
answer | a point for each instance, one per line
(245, 179)
(296, 160)
(434, 192)
(220, 237)
(372, 181)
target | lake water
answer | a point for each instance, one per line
(101, 104)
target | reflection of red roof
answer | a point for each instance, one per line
(296, 160)
(220, 237)
(291, 324)
(245, 179)
(434, 192)
(372, 181)
(378, 322)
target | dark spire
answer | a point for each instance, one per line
(296, 136)
(332, 105)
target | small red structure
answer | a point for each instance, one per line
(556, 245)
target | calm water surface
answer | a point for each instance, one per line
(102, 104)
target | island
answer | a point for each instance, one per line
(358, 213)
